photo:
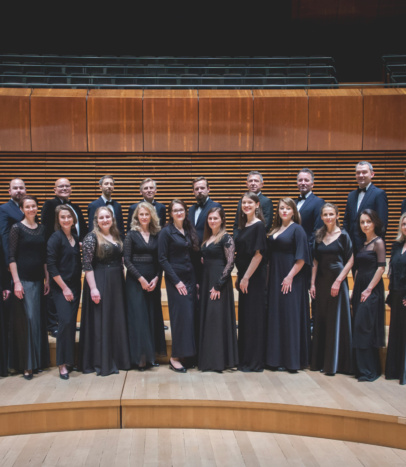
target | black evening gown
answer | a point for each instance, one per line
(146, 336)
(63, 260)
(332, 335)
(4, 285)
(29, 349)
(104, 345)
(218, 336)
(288, 333)
(369, 316)
(177, 260)
(251, 305)
(396, 355)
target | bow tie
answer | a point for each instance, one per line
(362, 190)
(109, 203)
(301, 197)
(201, 204)
(64, 201)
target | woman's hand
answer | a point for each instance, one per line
(287, 285)
(365, 294)
(18, 290)
(153, 284)
(214, 294)
(335, 288)
(313, 291)
(144, 283)
(181, 287)
(95, 294)
(46, 288)
(244, 285)
(67, 293)
(6, 294)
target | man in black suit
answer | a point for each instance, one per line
(308, 204)
(198, 212)
(62, 190)
(404, 201)
(367, 196)
(255, 182)
(10, 213)
(106, 184)
(148, 191)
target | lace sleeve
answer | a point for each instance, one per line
(229, 250)
(379, 247)
(131, 269)
(13, 243)
(89, 250)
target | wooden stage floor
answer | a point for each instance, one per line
(307, 403)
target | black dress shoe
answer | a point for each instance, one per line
(141, 368)
(53, 333)
(166, 327)
(28, 376)
(64, 376)
(178, 370)
(155, 364)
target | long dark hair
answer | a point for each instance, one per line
(187, 226)
(277, 221)
(320, 233)
(242, 220)
(207, 230)
(378, 224)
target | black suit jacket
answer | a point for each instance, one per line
(9, 215)
(267, 209)
(62, 259)
(48, 217)
(201, 220)
(160, 210)
(403, 206)
(375, 199)
(310, 215)
(117, 212)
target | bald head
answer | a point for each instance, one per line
(17, 189)
(62, 188)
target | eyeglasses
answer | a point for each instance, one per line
(63, 186)
(178, 211)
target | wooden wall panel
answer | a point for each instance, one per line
(58, 120)
(115, 120)
(335, 120)
(170, 120)
(280, 120)
(15, 130)
(225, 120)
(384, 120)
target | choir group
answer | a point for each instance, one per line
(290, 265)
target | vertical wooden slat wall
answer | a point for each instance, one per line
(175, 136)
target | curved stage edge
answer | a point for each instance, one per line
(344, 425)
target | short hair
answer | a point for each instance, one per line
(147, 180)
(64, 207)
(378, 224)
(255, 172)
(306, 171)
(154, 226)
(104, 178)
(27, 198)
(365, 163)
(400, 237)
(200, 179)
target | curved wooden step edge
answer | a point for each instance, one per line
(59, 416)
(344, 425)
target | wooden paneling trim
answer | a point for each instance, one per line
(15, 126)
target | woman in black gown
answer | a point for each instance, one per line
(250, 245)
(4, 295)
(29, 349)
(103, 332)
(396, 355)
(333, 259)
(288, 319)
(65, 269)
(368, 299)
(218, 336)
(178, 247)
(146, 337)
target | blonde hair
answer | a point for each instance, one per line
(154, 226)
(101, 241)
(400, 237)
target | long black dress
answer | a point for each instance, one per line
(218, 336)
(175, 255)
(146, 334)
(396, 355)
(4, 285)
(251, 305)
(29, 349)
(369, 316)
(103, 332)
(63, 260)
(288, 333)
(332, 335)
